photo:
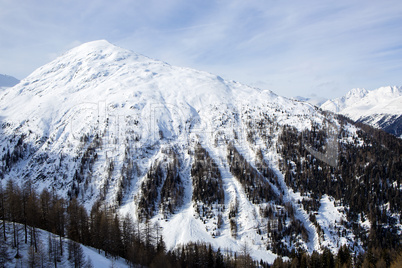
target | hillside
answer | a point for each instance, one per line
(210, 160)
(45, 249)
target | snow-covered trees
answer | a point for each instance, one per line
(162, 188)
(364, 180)
(76, 255)
(208, 194)
(257, 188)
(4, 255)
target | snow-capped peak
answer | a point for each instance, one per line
(361, 102)
(390, 91)
(99, 71)
(95, 45)
(382, 107)
(356, 93)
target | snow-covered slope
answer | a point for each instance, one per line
(381, 108)
(103, 123)
(44, 256)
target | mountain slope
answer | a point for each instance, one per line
(45, 254)
(210, 160)
(381, 108)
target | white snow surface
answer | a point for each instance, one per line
(140, 106)
(360, 103)
(98, 260)
(330, 217)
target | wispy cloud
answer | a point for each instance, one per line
(291, 47)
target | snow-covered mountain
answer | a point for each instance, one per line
(315, 100)
(205, 157)
(8, 81)
(381, 108)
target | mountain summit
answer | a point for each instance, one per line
(103, 123)
(207, 159)
(381, 108)
(98, 72)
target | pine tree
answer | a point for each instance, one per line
(398, 261)
(36, 256)
(127, 233)
(116, 247)
(343, 257)
(33, 258)
(32, 219)
(76, 255)
(3, 211)
(88, 263)
(4, 255)
(210, 259)
(247, 261)
(327, 258)
(219, 259)
(53, 250)
(44, 204)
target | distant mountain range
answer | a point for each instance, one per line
(381, 108)
(8, 81)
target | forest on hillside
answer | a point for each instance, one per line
(138, 243)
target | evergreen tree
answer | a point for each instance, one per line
(76, 255)
(4, 255)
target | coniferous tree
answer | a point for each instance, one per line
(4, 255)
(76, 255)
(3, 211)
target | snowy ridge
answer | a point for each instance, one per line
(95, 122)
(358, 103)
(380, 108)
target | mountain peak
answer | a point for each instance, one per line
(357, 93)
(380, 107)
(103, 48)
(87, 65)
(364, 99)
(101, 72)
(100, 42)
(96, 45)
(390, 90)
(206, 158)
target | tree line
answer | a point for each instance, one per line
(27, 210)
(208, 193)
(375, 257)
(366, 181)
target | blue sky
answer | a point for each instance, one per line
(291, 47)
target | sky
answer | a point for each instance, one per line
(294, 48)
